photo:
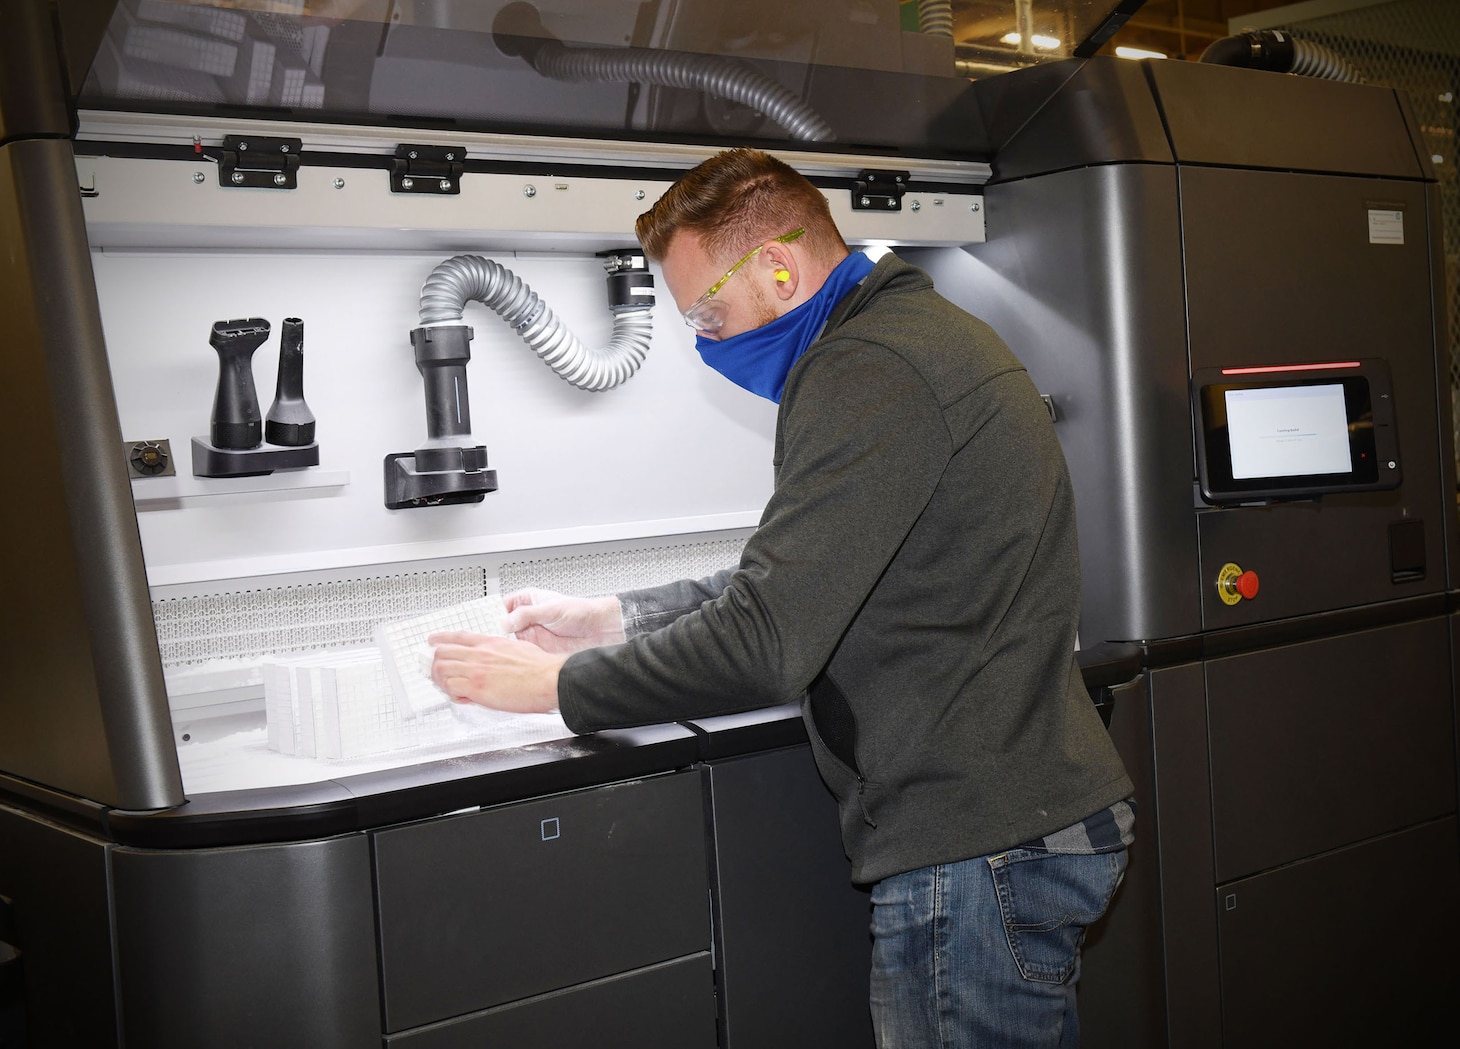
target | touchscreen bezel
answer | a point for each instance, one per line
(1368, 405)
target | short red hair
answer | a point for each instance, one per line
(735, 200)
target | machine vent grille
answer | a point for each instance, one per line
(591, 575)
(250, 624)
(247, 624)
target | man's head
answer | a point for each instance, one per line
(732, 224)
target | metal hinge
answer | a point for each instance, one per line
(427, 169)
(879, 190)
(253, 161)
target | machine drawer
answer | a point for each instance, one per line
(670, 1006)
(1319, 745)
(488, 908)
(1349, 949)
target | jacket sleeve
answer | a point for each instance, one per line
(655, 607)
(862, 445)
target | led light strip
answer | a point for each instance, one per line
(1290, 368)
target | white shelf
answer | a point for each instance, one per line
(171, 493)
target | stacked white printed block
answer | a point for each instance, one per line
(352, 703)
(339, 704)
(215, 21)
(166, 49)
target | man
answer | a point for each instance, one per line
(914, 579)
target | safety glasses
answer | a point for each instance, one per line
(707, 315)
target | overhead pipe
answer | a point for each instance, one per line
(519, 32)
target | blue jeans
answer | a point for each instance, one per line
(986, 952)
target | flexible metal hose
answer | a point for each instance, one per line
(1310, 59)
(471, 278)
(717, 76)
(935, 17)
(1280, 52)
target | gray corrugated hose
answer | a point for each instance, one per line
(471, 278)
(1280, 52)
(716, 76)
(935, 17)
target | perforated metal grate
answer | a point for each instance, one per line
(1413, 46)
(248, 624)
(272, 621)
(591, 575)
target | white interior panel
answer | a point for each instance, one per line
(676, 449)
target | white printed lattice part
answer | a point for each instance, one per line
(180, 49)
(254, 73)
(123, 77)
(402, 645)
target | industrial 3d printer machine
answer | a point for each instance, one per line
(215, 827)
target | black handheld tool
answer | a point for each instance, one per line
(236, 422)
(290, 423)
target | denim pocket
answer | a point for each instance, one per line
(1047, 899)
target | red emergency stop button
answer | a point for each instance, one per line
(1233, 584)
(1247, 584)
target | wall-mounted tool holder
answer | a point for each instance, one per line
(235, 445)
(449, 468)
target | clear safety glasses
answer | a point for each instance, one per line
(707, 315)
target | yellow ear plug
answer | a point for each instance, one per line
(782, 276)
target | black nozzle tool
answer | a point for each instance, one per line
(290, 423)
(236, 423)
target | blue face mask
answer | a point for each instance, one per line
(760, 359)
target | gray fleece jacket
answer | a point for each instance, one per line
(914, 581)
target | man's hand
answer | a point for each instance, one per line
(498, 672)
(555, 623)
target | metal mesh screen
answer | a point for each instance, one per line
(277, 620)
(247, 624)
(1414, 47)
(591, 575)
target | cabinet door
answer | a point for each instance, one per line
(496, 906)
(1350, 949)
(669, 1006)
(1319, 745)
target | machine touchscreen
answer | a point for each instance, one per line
(1294, 431)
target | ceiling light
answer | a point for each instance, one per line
(1137, 52)
(1048, 43)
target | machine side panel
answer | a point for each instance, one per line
(262, 945)
(1321, 289)
(1252, 119)
(56, 882)
(1183, 820)
(1445, 394)
(1122, 978)
(793, 964)
(1323, 744)
(83, 707)
(1071, 114)
(1081, 276)
(32, 99)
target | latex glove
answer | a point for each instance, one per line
(498, 672)
(555, 623)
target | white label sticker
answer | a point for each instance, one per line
(1386, 227)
